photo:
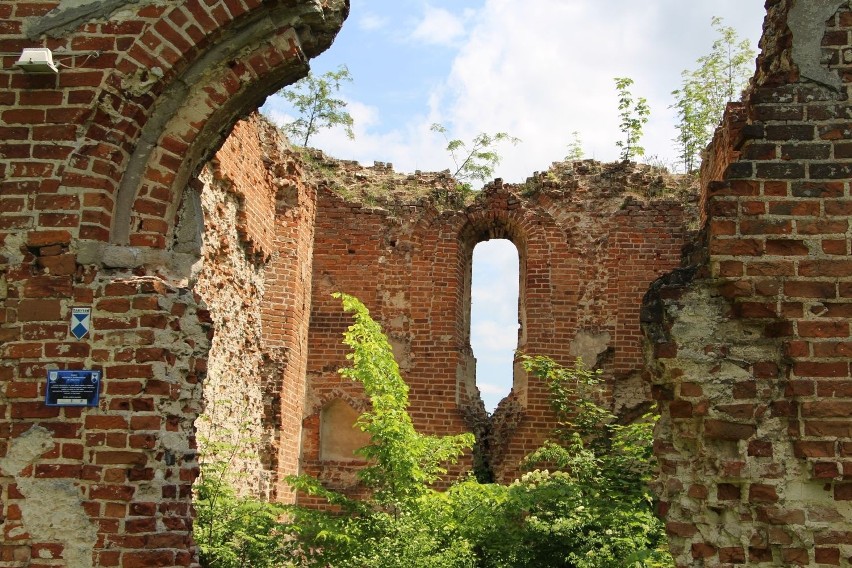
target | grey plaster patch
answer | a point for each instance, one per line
(190, 229)
(807, 23)
(25, 449)
(53, 509)
(177, 267)
(122, 257)
(12, 246)
(588, 346)
(629, 393)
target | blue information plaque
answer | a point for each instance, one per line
(73, 388)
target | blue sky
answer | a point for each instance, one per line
(538, 69)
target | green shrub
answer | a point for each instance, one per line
(233, 531)
(400, 525)
(589, 509)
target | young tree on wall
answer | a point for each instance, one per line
(720, 77)
(474, 160)
(634, 115)
(313, 98)
(575, 148)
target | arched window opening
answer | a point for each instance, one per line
(339, 437)
(494, 304)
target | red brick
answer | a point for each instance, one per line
(826, 329)
(148, 559)
(721, 430)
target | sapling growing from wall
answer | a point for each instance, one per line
(313, 98)
(720, 78)
(477, 159)
(575, 148)
(232, 530)
(633, 115)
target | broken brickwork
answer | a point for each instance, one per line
(258, 221)
(102, 190)
(591, 238)
(749, 342)
(94, 162)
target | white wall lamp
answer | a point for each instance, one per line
(37, 60)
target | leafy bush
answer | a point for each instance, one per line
(590, 509)
(400, 524)
(593, 511)
(233, 531)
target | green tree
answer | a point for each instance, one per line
(401, 524)
(231, 530)
(313, 99)
(705, 91)
(633, 115)
(575, 148)
(474, 160)
(593, 511)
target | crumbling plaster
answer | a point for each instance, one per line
(53, 509)
(807, 24)
(754, 439)
(591, 237)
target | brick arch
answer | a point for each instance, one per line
(484, 225)
(174, 95)
(497, 218)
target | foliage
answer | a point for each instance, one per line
(594, 510)
(313, 98)
(399, 524)
(634, 115)
(575, 148)
(233, 531)
(402, 461)
(720, 77)
(591, 511)
(623, 452)
(476, 159)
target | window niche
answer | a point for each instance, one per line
(495, 235)
(339, 436)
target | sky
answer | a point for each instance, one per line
(536, 69)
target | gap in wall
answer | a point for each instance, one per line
(494, 317)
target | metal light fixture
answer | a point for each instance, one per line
(37, 60)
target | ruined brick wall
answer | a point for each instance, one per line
(750, 344)
(94, 161)
(590, 238)
(750, 341)
(253, 282)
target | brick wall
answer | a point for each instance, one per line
(750, 341)
(94, 161)
(257, 295)
(590, 240)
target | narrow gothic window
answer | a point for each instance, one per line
(494, 317)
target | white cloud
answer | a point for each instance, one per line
(491, 336)
(402, 145)
(439, 27)
(490, 388)
(539, 70)
(542, 69)
(372, 22)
